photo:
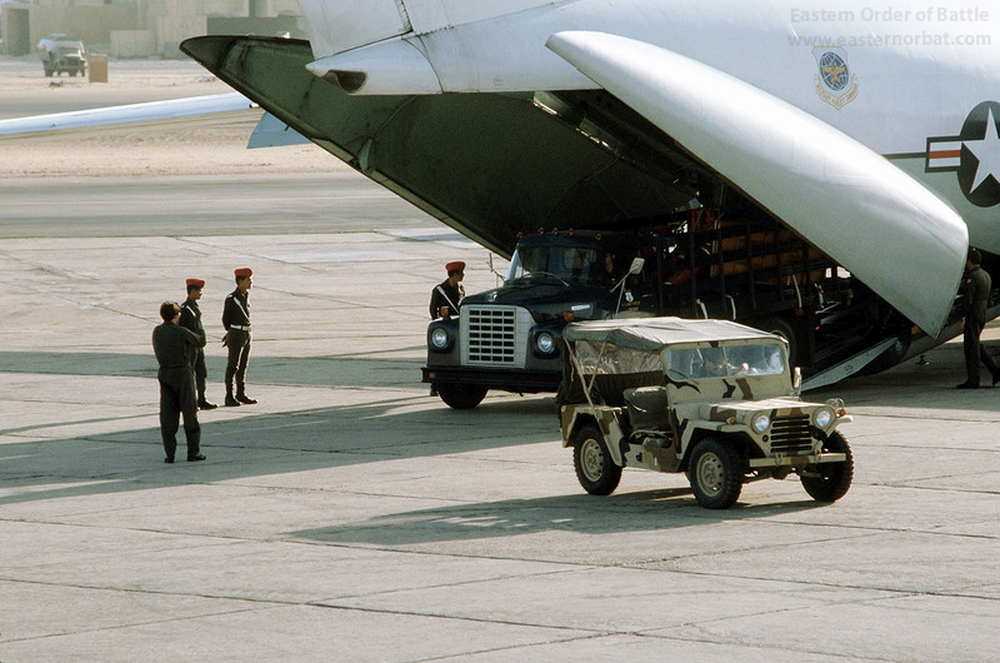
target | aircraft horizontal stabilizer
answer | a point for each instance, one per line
(871, 217)
(272, 132)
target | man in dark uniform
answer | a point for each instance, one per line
(975, 290)
(175, 348)
(236, 320)
(191, 319)
(449, 292)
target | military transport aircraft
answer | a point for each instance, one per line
(871, 130)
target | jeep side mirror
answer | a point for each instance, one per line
(637, 265)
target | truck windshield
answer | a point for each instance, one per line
(573, 264)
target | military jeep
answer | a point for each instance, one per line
(711, 398)
(62, 53)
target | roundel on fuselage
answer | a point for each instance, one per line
(979, 167)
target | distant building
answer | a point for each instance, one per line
(142, 28)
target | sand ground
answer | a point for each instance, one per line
(207, 145)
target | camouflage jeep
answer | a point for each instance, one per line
(711, 398)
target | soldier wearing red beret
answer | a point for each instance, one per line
(236, 320)
(448, 293)
(191, 319)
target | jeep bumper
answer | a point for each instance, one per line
(797, 461)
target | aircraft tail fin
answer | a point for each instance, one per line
(335, 27)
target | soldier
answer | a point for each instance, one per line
(448, 293)
(976, 285)
(175, 348)
(191, 319)
(236, 320)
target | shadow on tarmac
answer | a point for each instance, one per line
(322, 370)
(398, 427)
(580, 513)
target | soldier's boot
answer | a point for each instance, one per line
(230, 401)
(241, 395)
(203, 403)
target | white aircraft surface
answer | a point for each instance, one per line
(872, 130)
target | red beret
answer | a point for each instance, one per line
(243, 271)
(198, 283)
(456, 266)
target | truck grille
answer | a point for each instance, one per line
(494, 335)
(791, 434)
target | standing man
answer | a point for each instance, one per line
(175, 348)
(976, 286)
(449, 292)
(236, 320)
(191, 319)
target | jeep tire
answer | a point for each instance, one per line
(828, 482)
(716, 473)
(595, 468)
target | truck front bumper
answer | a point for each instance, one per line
(519, 381)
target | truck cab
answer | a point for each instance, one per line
(510, 337)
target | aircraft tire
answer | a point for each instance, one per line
(595, 469)
(828, 482)
(716, 473)
(461, 396)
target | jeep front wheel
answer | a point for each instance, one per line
(461, 396)
(716, 473)
(595, 468)
(828, 482)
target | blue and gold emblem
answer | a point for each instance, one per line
(835, 84)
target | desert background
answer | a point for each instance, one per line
(209, 145)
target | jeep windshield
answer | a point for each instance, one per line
(725, 361)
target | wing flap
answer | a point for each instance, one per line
(878, 222)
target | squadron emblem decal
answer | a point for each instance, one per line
(974, 154)
(835, 84)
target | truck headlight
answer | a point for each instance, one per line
(545, 343)
(440, 339)
(823, 417)
(761, 422)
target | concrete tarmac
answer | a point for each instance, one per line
(349, 516)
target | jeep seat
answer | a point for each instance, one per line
(647, 408)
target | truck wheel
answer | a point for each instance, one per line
(828, 482)
(716, 474)
(461, 396)
(783, 328)
(596, 470)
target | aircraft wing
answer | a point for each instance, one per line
(144, 112)
(269, 132)
(869, 216)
